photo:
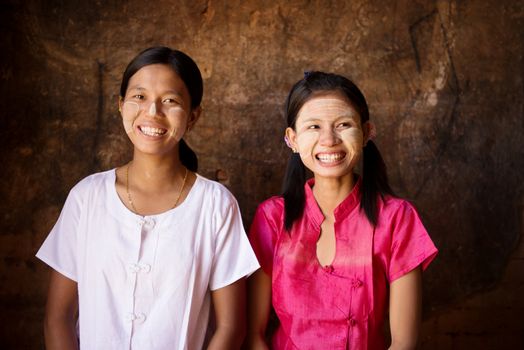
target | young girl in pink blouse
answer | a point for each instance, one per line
(339, 252)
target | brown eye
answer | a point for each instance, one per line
(171, 101)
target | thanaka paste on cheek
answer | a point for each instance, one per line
(353, 139)
(178, 132)
(129, 115)
(305, 139)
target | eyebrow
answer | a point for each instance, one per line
(139, 88)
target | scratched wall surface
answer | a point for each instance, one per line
(443, 80)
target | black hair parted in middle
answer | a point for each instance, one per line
(374, 175)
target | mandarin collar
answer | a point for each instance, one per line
(341, 211)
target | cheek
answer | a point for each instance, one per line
(353, 138)
(305, 143)
(178, 118)
(306, 140)
(129, 115)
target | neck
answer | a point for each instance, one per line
(330, 192)
(152, 173)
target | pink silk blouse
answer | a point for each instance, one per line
(342, 305)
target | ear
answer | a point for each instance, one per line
(368, 129)
(120, 104)
(291, 137)
(193, 117)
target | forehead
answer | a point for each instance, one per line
(156, 75)
(327, 105)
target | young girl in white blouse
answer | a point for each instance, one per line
(142, 252)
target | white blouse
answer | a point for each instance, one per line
(145, 282)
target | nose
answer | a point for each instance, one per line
(152, 109)
(329, 137)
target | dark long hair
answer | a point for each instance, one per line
(374, 176)
(186, 69)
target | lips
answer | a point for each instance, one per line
(151, 131)
(330, 158)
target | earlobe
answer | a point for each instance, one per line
(290, 139)
(120, 103)
(193, 117)
(368, 128)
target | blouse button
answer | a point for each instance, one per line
(357, 283)
(140, 318)
(150, 222)
(328, 268)
(352, 322)
(145, 268)
(134, 268)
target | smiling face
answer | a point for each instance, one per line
(328, 135)
(156, 109)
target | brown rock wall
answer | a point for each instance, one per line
(443, 80)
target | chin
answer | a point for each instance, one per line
(154, 151)
(333, 174)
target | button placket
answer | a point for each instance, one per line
(134, 268)
(139, 268)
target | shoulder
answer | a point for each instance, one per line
(214, 191)
(273, 207)
(92, 183)
(270, 211)
(393, 205)
(85, 194)
(396, 212)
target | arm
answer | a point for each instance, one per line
(61, 313)
(405, 306)
(259, 305)
(230, 312)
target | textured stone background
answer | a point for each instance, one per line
(444, 84)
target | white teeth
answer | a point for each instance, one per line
(150, 131)
(330, 158)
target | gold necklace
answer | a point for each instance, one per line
(131, 200)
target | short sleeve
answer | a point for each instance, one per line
(262, 235)
(411, 245)
(59, 250)
(234, 257)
